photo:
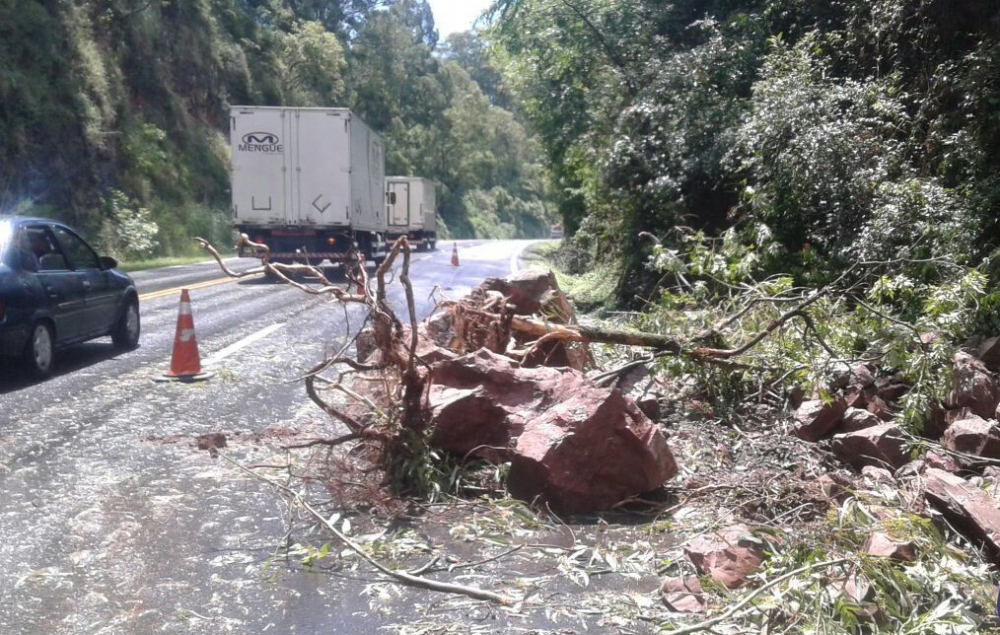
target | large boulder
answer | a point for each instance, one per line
(859, 375)
(573, 444)
(973, 435)
(973, 387)
(857, 419)
(966, 506)
(989, 353)
(533, 291)
(815, 418)
(882, 446)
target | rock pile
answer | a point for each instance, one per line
(858, 426)
(493, 394)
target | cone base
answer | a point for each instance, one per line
(184, 379)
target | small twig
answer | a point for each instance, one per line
(426, 567)
(889, 318)
(708, 624)
(327, 442)
(971, 458)
(401, 576)
(470, 565)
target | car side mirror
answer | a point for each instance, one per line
(107, 262)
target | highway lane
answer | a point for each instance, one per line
(112, 522)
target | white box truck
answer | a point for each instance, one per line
(411, 210)
(308, 182)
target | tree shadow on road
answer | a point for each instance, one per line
(15, 375)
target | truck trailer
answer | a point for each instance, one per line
(411, 210)
(308, 182)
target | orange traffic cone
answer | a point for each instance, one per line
(454, 255)
(185, 364)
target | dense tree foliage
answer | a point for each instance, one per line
(114, 114)
(820, 132)
(823, 133)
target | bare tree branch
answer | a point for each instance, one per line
(400, 576)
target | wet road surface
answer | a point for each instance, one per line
(111, 521)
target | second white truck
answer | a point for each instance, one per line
(411, 210)
(308, 182)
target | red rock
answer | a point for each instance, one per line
(973, 435)
(878, 407)
(857, 419)
(929, 339)
(683, 595)
(878, 474)
(973, 387)
(536, 292)
(855, 397)
(815, 418)
(882, 446)
(576, 445)
(936, 422)
(728, 556)
(857, 588)
(796, 396)
(989, 353)
(891, 393)
(858, 376)
(881, 545)
(588, 454)
(650, 407)
(834, 487)
(940, 462)
(967, 507)
(532, 291)
(497, 395)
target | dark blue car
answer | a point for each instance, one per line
(56, 291)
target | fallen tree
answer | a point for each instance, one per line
(482, 358)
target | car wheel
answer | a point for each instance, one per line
(39, 352)
(126, 332)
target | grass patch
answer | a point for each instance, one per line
(156, 263)
(589, 291)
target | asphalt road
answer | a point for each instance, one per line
(111, 521)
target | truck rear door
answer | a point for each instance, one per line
(322, 167)
(261, 187)
(399, 204)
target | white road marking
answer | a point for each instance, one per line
(243, 343)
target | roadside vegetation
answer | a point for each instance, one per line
(812, 543)
(807, 513)
(770, 206)
(114, 116)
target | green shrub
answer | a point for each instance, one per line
(128, 231)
